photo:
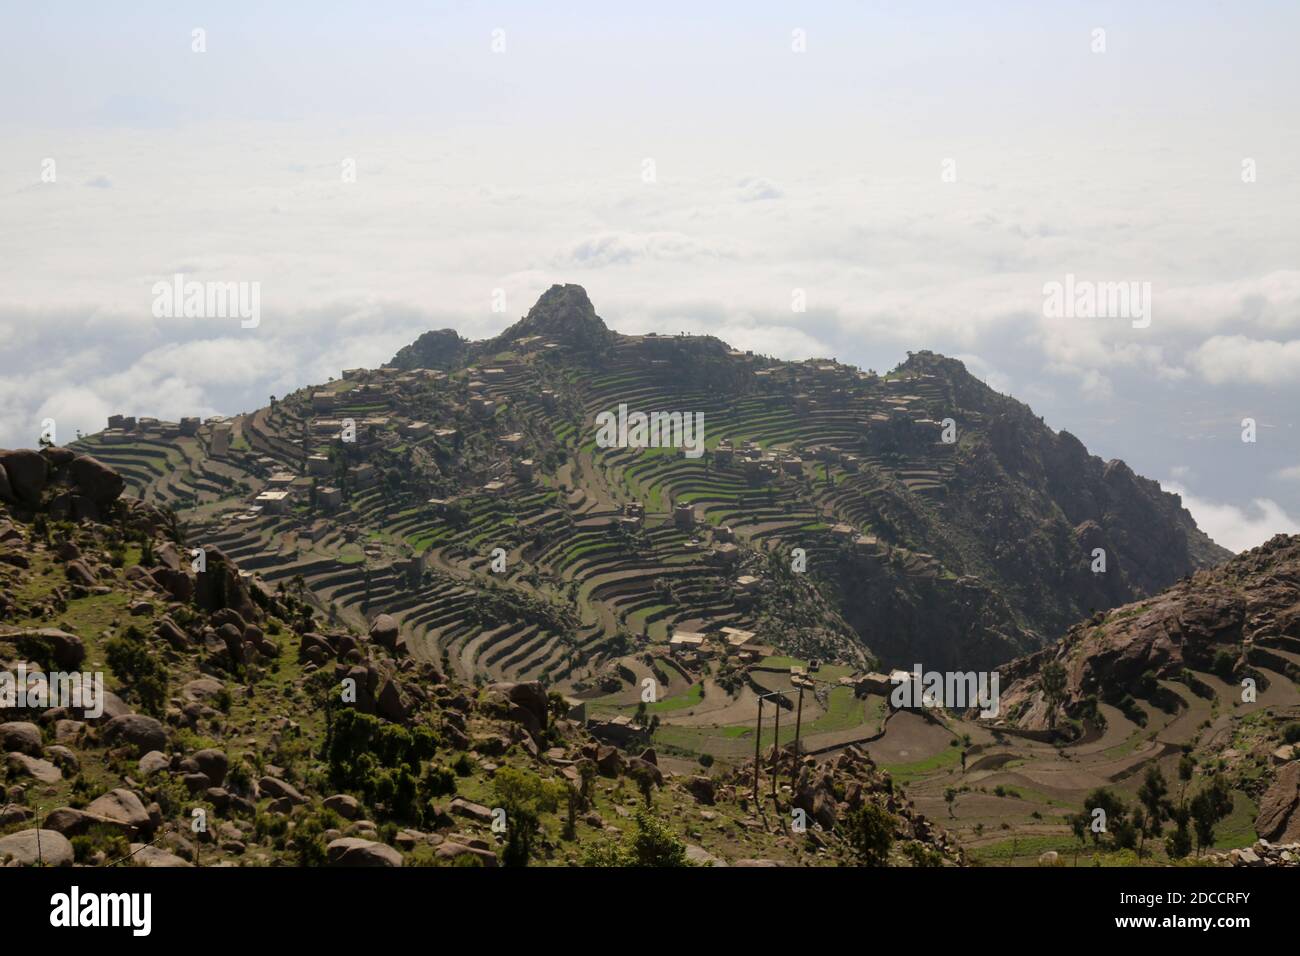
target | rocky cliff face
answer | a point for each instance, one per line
(1029, 510)
(1208, 668)
(1227, 621)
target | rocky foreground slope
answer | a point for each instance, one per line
(241, 726)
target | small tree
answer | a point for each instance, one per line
(1208, 808)
(1152, 797)
(525, 797)
(869, 832)
(650, 844)
(137, 666)
(1052, 677)
(1119, 826)
(1179, 843)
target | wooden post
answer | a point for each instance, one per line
(776, 747)
(758, 743)
(798, 721)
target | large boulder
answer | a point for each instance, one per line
(110, 706)
(57, 455)
(141, 732)
(122, 808)
(449, 850)
(701, 788)
(384, 631)
(47, 645)
(202, 690)
(213, 764)
(98, 482)
(394, 702)
(475, 811)
(28, 474)
(142, 854)
(23, 737)
(29, 848)
(702, 857)
(68, 820)
(220, 586)
(278, 789)
(171, 632)
(344, 805)
(177, 583)
(530, 698)
(315, 648)
(609, 761)
(639, 770)
(1279, 809)
(153, 762)
(21, 765)
(353, 851)
(79, 572)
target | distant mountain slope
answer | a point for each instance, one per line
(828, 515)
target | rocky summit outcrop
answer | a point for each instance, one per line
(564, 313)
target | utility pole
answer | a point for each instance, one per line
(758, 743)
(776, 749)
(798, 722)
(40, 856)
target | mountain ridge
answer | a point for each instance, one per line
(964, 553)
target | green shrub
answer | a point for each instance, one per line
(651, 843)
(381, 761)
(869, 832)
(100, 838)
(139, 668)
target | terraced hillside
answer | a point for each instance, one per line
(174, 716)
(830, 513)
(1195, 688)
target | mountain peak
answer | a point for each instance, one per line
(563, 312)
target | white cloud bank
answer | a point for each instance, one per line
(1235, 527)
(820, 172)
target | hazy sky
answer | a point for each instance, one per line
(774, 170)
